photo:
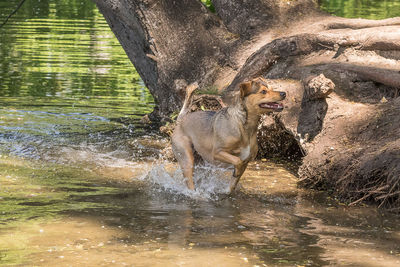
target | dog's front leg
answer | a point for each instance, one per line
(239, 170)
(240, 167)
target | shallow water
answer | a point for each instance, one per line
(82, 181)
(66, 215)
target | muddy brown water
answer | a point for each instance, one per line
(82, 182)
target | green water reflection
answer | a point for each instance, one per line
(369, 9)
(65, 49)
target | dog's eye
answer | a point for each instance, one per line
(263, 92)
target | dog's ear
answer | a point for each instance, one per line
(245, 89)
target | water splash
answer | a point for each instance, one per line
(211, 183)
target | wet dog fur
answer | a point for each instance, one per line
(227, 136)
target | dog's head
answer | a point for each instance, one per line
(259, 97)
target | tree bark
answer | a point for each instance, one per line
(170, 43)
(247, 18)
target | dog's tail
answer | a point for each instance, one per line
(188, 100)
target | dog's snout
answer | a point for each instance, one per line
(283, 94)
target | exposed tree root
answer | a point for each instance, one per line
(384, 76)
(384, 39)
(351, 138)
(361, 23)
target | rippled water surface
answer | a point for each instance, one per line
(369, 9)
(83, 182)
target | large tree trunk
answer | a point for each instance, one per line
(349, 137)
(247, 18)
(170, 43)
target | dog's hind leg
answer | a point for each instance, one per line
(183, 151)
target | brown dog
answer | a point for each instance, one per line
(226, 136)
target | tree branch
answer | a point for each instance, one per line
(12, 13)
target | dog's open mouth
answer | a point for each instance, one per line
(272, 105)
